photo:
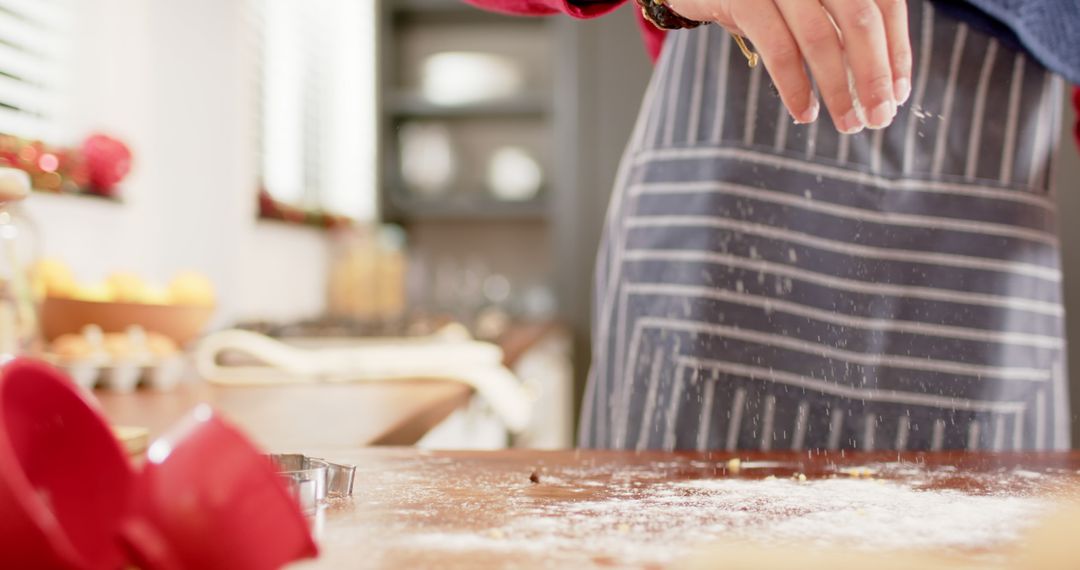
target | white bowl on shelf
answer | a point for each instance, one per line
(455, 78)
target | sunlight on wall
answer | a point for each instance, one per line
(318, 103)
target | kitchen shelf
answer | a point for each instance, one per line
(475, 126)
(414, 105)
(468, 209)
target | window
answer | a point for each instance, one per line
(317, 103)
(33, 55)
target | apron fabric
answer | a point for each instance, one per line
(766, 285)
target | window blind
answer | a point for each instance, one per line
(33, 50)
(317, 103)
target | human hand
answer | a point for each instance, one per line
(868, 37)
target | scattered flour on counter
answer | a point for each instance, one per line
(661, 522)
(864, 514)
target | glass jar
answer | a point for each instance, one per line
(19, 328)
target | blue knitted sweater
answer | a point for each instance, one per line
(1048, 29)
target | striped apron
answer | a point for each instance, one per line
(766, 285)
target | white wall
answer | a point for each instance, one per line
(174, 80)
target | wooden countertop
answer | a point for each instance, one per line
(415, 509)
(326, 415)
(286, 418)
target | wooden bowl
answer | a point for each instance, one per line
(181, 323)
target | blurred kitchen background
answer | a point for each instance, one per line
(350, 168)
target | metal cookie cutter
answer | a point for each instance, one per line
(312, 480)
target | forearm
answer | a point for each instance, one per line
(575, 8)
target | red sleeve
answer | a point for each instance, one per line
(1076, 105)
(546, 7)
(653, 37)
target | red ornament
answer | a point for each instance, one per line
(268, 208)
(49, 162)
(29, 153)
(74, 168)
(107, 162)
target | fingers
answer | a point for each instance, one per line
(859, 52)
(820, 45)
(898, 34)
(762, 22)
(862, 29)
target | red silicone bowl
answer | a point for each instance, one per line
(65, 483)
(207, 498)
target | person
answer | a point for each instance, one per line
(867, 261)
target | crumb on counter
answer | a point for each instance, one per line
(734, 466)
